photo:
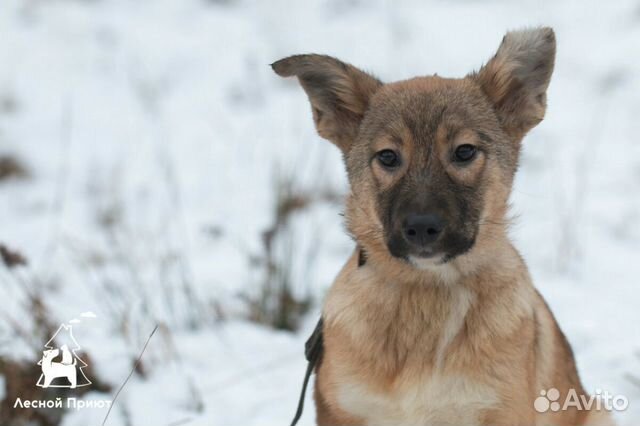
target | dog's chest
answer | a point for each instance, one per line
(434, 401)
(417, 349)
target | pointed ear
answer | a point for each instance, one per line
(517, 77)
(339, 94)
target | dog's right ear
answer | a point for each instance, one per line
(516, 79)
(339, 94)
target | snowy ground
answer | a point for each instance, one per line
(153, 132)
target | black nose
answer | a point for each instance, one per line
(422, 229)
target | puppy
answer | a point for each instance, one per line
(434, 319)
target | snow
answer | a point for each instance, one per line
(165, 117)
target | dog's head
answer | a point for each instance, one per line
(50, 353)
(430, 160)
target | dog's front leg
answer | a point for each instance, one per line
(73, 378)
(47, 380)
(333, 416)
(328, 413)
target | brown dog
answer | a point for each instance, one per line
(441, 325)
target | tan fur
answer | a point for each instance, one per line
(406, 354)
(417, 340)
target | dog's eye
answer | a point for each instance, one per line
(465, 153)
(388, 158)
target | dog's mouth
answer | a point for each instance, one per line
(428, 261)
(429, 257)
(418, 258)
(426, 254)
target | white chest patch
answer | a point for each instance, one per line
(439, 401)
(462, 299)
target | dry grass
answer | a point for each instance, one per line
(11, 168)
(21, 376)
(276, 304)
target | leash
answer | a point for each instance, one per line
(313, 350)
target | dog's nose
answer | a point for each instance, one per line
(422, 229)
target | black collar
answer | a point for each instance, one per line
(362, 257)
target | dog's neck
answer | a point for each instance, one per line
(429, 312)
(490, 255)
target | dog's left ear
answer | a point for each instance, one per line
(516, 79)
(339, 94)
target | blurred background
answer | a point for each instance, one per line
(154, 172)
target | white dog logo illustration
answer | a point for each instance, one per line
(62, 362)
(52, 370)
